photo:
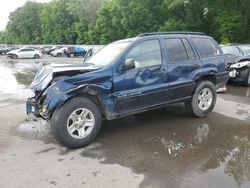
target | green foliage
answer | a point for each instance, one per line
(231, 26)
(58, 25)
(103, 21)
(25, 25)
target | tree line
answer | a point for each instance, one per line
(104, 21)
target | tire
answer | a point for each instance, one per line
(14, 56)
(59, 55)
(62, 121)
(195, 106)
(36, 56)
(71, 55)
(246, 82)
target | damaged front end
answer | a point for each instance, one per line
(50, 89)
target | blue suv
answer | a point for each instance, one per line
(127, 77)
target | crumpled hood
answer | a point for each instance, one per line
(48, 72)
(231, 59)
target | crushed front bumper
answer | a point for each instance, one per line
(32, 108)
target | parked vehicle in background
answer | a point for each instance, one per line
(58, 52)
(5, 49)
(238, 62)
(50, 49)
(128, 77)
(24, 53)
(74, 51)
(245, 49)
(44, 49)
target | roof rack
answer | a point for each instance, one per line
(171, 33)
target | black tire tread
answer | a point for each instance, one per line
(60, 116)
(192, 106)
(245, 83)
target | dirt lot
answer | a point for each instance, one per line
(162, 148)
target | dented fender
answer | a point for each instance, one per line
(61, 91)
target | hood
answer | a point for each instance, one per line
(49, 72)
(12, 51)
(231, 59)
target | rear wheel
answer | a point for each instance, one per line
(36, 56)
(13, 56)
(59, 55)
(203, 99)
(71, 55)
(76, 123)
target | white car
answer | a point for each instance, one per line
(24, 53)
(58, 52)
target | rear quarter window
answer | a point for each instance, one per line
(206, 47)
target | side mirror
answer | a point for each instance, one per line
(88, 55)
(128, 64)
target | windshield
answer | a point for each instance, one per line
(231, 50)
(246, 50)
(107, 54)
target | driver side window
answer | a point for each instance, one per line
(146, 54)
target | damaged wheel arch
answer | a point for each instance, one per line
(84, 92)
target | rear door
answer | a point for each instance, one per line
(30, 53)
(21, 53)
(184, 65)
(213, 60)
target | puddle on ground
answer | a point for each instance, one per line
(198, 146)
(14, 82)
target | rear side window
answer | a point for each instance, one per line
(27, 50)
(179, 49)
(206, 47)
(189, 50)
(176, 50)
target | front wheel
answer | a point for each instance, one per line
(246, 82)
(76, 123)
(203, 99)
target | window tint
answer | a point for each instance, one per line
(27, 50)
(146, 54)
(206, 47)
(176, 50)
(189, 49)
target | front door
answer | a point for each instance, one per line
(144, 85)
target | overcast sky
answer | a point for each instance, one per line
(8, 6)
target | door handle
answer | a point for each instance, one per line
(164, 70)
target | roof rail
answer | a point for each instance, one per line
(171, 33)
